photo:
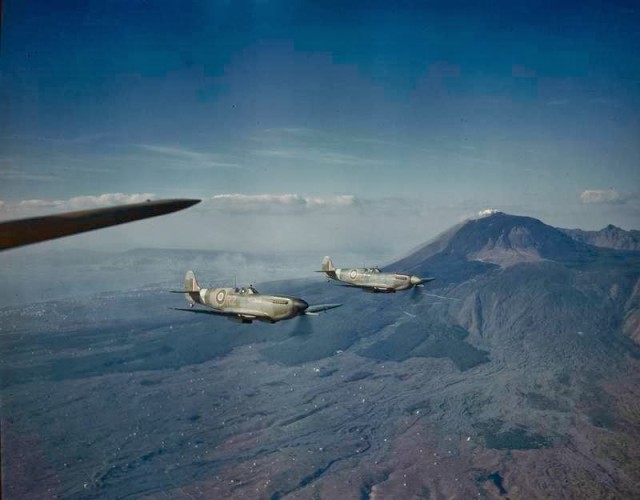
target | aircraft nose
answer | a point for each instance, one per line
(300, 305)
(415, 280)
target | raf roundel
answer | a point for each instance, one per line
(353, 274)
(220, 297)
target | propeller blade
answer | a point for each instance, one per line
(314, 310)
(303, 326)
(416, 294)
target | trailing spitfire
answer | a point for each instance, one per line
(246, 305)
(371, 279)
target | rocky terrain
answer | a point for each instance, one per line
(514, 375)
(608, 237)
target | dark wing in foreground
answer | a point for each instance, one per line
(16, 233)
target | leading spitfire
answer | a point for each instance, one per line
(371, 279)
(246, 304)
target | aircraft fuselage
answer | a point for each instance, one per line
(371, 279)
(246, 305)
(374, 281)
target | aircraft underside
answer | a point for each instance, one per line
(380, 290)
(251, 319)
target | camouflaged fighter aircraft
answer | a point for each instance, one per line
(246, 304)
(371, 279)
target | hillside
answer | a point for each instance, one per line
(608, 237)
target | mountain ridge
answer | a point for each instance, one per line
(501, 239)
(607, 237)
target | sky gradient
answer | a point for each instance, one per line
(305, 123)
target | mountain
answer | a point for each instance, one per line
(608, 237)
(500, 239)
(521, 257)
(514, 374)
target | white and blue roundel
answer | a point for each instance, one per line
(220, 297)
(353, 274)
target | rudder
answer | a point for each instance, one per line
(327, 264)
(191, 283)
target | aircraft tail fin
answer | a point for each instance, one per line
(191, 283)
(191, 288)
(327, 264)
(328, 268)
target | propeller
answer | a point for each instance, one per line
(416, 293)
(304, 323)
(303, 326)
(417, 281)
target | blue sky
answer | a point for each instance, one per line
(326, 118)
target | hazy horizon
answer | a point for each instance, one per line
(362, 125)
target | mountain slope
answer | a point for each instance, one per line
(608, 237)
(558, 319)
(500, 239)
(501, 258)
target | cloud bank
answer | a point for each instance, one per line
(290, 204)
(602, 196)
(30, 208)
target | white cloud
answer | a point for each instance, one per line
(299, 205)
(277, 203)
(84, 202)
(316, 155)
(287, 131)
(488, 211)
(347, 200)
(171, 151)
(193, 158)
(29, 208)
(78, 139)
(14, 174)
(311, 147)
(602, 196)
